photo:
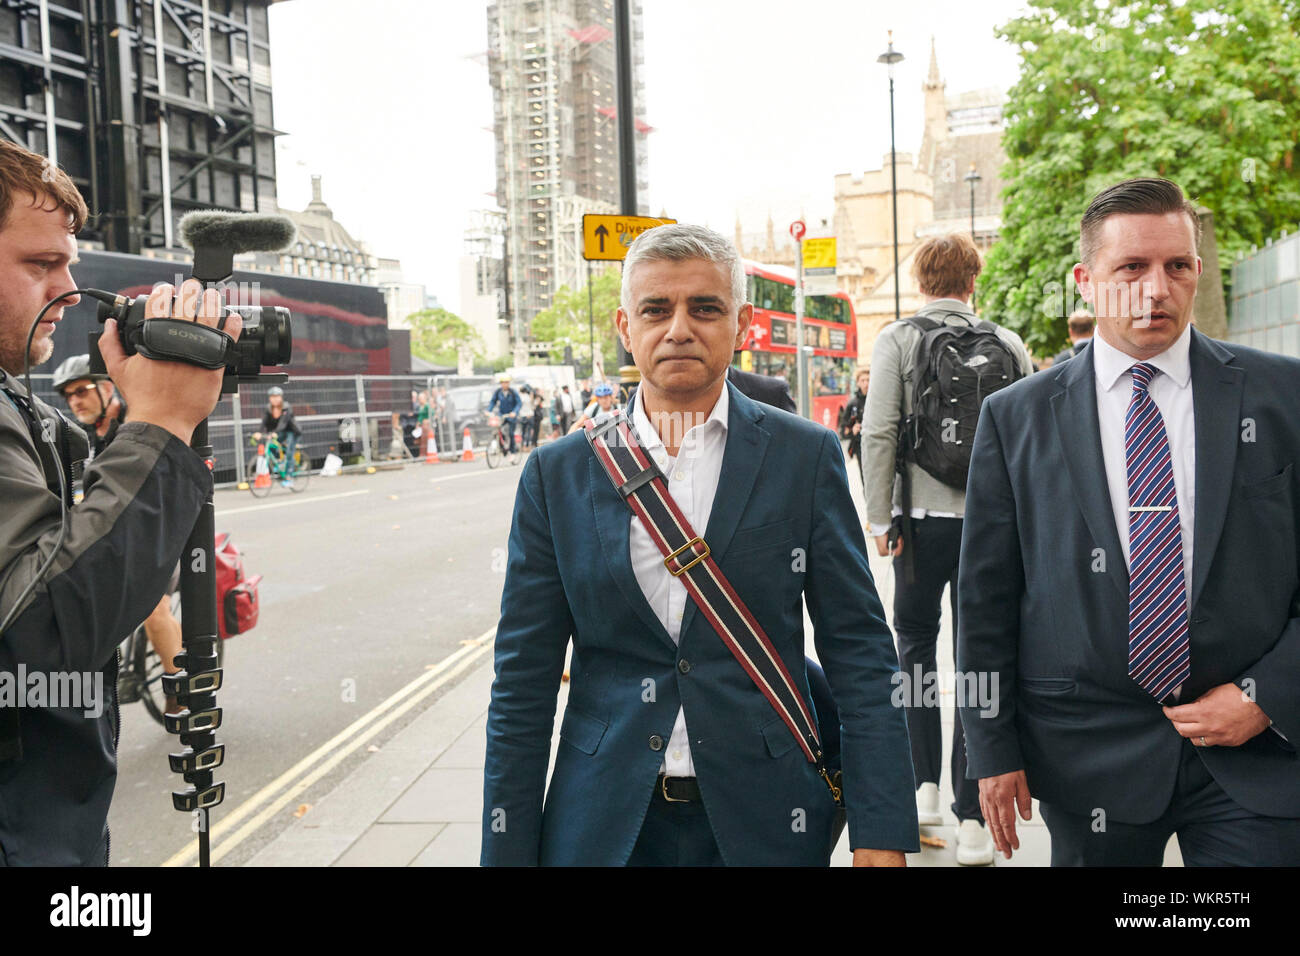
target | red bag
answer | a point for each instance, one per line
(236, 595)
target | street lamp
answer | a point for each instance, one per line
(889, 58)
(972, 177)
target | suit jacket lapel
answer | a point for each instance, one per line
(612, 521)
(1216, 403)
(1075, 411)
(742, 459)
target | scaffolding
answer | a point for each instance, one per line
(551, 66)
(153, 107)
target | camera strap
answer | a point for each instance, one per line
(687, 558)
(180, 340)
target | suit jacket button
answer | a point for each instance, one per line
(656, 742)
(684, 666)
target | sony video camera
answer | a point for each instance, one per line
(266, 338)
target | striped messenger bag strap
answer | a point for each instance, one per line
(686, 556)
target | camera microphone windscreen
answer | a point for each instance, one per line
(236, 232)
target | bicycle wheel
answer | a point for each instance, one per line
(493, 453)
(251, 469)
(301, 468)
(516, 455)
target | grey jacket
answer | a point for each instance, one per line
(142, 497)
(889, 400)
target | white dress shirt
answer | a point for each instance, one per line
(692, 481)
(1171, 390)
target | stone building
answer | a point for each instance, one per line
(963, 134)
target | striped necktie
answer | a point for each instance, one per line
(1159, 652)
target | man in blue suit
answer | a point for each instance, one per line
(1129, 572)
(668, 752)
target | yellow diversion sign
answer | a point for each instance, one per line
(607, 237)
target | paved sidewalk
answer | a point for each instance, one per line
(418, 800)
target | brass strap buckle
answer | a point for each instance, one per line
(833, 783)
(688, 546)
(663, 788)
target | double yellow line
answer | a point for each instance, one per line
(244, 820)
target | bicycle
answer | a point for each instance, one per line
(293, 474)
(498, 447)
(140, 670)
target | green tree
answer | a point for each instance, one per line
(1203, 92)
(565, 322)
(437, 336)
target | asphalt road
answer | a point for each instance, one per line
(369, 581)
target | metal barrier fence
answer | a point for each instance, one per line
(1265, 309)
(355, 417)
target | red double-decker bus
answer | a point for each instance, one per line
(830, 328)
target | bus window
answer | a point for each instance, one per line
(829, 308)
(829, 375)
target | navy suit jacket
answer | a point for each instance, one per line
(783, 529)
(763, 388)
(1044, 590)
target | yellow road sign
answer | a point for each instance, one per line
(607, 237)
(819, 254)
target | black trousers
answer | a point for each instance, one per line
(675, 834)
(936, 547)
(1213, 830)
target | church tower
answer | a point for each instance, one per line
(936, 113)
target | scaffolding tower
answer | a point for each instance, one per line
(551, 64)
(153, 107)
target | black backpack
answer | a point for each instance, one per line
(954, 369)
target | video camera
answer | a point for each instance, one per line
(266, 338)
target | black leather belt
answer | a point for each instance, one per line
(678, 789)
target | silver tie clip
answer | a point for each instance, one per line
(1153, 508)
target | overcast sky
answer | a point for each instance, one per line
(756, 105)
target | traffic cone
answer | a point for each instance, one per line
(467, 446)
(431, 452)
(262, 477)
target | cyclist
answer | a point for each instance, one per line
(506, 401)
(601, 407)
(99, 408)
(278, 419)
(93, 400)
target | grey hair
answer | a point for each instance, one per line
(678, 242)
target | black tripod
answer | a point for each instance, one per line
(199, 678)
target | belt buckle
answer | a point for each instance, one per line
(663, 788)
(689, 545)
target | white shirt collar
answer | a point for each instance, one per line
(1111, 364)
(650, 436)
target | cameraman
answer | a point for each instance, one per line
(58, 764)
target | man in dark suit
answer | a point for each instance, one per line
(1079, 327)
(669, 753)
(1129, 572)
(762, 388)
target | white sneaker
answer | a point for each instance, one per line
(974, 845)
(927, 805)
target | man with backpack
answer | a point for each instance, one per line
(930, 374)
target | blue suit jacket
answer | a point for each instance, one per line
(783, 528)
(1044, 590)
